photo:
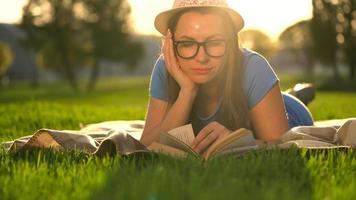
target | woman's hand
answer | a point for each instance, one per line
(174, 68)
(208, 135)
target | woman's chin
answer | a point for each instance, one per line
(201, 79)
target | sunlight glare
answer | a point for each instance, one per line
(143, 14)
(272, 16)
(11, 12)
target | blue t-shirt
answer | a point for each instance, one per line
(259, 79)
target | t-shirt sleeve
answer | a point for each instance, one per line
(259, 78)
(158, 82)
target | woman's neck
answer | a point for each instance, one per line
(207, 99)
(209, 91)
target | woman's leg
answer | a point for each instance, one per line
(298, 113)
(305, 92)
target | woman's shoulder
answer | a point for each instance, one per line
(160, 60)
(259, 77)
(251, 57)
(255, 63)
(158, 80)
(159, 66)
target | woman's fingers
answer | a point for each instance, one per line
(166, 53)
(207, 141)
(208, 135)
(205, 137)
(202, 134)
(171, 51)
(172, 61)
(172, 65)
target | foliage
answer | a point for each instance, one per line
(333, 30)
(323, 32)
(297, 39)
(346, 17)
(53, 31)
(76, 33)
(297, 36)
(257, 41)
(5, 58)
(107, 25)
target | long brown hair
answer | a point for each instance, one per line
(233, 113)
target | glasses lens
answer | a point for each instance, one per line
(187, 49)
(216, 47)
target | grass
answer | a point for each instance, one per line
(44, 174)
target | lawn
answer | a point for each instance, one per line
(44, 174)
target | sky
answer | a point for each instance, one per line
(269, 16)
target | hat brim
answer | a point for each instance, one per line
(162, 19)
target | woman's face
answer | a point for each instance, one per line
(194, 26)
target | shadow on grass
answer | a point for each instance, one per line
(273, 174)
(45, 156)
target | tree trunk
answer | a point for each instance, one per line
(94, 75)
(352, 66)
(351, 58)
(71, 77)
(1, 84)
(310, 63)
(34, 83)
(335, 71)
(68, 71)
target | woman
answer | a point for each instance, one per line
(205, 78)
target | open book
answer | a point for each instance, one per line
(177, 143)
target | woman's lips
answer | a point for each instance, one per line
(202, 70)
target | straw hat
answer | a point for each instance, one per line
(162, 19)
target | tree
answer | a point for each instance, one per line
(68, 34)
(53, 30)
(106, 23)
(324, 34)
(5, 59)
(257, 41)
(346, 33)
(333, 30)
(297, 39)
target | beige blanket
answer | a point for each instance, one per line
(107, 137)
(123, 137)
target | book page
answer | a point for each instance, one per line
(240, 138)
(183, 133)
(168, 150)
(172, 141)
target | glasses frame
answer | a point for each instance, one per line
(176, 43)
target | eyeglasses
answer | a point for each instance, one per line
(189, 49)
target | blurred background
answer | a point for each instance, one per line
(68, 63)
(82, 42)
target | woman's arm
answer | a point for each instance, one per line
(159, 118)
(158, 121)
(268, 117)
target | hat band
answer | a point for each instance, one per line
(179, 4)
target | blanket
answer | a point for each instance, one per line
(123, 137)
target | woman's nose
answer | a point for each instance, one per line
(202, 56)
